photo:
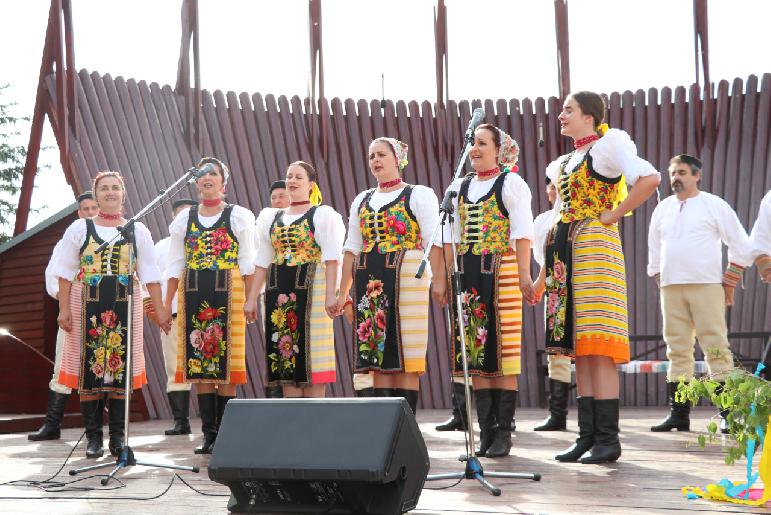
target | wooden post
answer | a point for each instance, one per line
(563, 48)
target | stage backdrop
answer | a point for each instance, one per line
(138, 128)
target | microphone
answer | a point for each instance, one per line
(476, 119)
(197, 173)
(540, 134)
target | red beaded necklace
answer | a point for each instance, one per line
(301, 203)
(108, 216)
(585, 141)
(488, 173)
(211, 202)
(389, 184)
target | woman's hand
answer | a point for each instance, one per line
(164, 319)
(250, 310)
(528, 291)
(608, 217)
(439, 291)
(65, 319)
(539, 288)
(331, 305)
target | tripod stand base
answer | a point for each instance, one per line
(474, 471)
(127, 459)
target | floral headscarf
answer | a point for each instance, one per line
(400, 150)
(508, 153)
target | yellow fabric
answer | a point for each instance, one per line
(583, 195)
(390, 230)
(315, 196)
(509, 305)
(413, 312)
(294, 244)
(716, 492)
(484, 228)
(113, 260)
(599, 293)
(321, 335)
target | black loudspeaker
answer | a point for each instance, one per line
(320, 456)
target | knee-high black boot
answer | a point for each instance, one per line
(207, 406)
(274, 392)
(458, 421)
(222, 402)
(51, 429)
(607, 447)
(410, 395)
(365, 392)
(507, 405)
(180, 408)
(486, 408)
(92, 420)
(585, 439)
(117, 418)
(383, 392)
(679, 414)
(558, 407)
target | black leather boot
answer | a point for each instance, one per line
(222, 402)
(116, 418)
(383, 392)
(180, 408)
(274, 392)
(558, 407)
(486, 413)
(723, 426)
(51, 428)
(507, 405)
(410, 395)
(679, 414)
(585, 439)
(207, 406)
(365, 392)
(92, 420)
(458, 421)
(607, 447)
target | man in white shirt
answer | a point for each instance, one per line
(761, 253)
(177, 393)
(58, 394)
(559, 366)
(685, 258)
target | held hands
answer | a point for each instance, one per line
(250, 311)
(164, 319)
(539, 288)
(65, 319)
(608, 217)
(528, 290)
(331, 305)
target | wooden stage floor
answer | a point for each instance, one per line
(647, 479)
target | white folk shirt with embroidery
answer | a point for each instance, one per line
(684, 240)
(541, 226)
(761, 231)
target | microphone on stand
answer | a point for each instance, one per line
(476, 118)
(197, 173)
(540, 134)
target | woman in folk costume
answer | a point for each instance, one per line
(583, 278)
(298, 254)
(494, 234)
(387, 230)
(211, 265)
(93, 309)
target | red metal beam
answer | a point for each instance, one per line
(53, 52)
(563, 47)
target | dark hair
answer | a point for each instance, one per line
(312, 175)
(277, 185)
(548, 181)
(687, 159)
(492, 128)
(183, 202)
(592, 104)
(86, 195)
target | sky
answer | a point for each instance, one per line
(497, 49)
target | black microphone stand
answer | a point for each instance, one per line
(473, 468)
(126, 232)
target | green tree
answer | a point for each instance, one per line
(12, 159)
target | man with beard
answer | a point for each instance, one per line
(685, 258)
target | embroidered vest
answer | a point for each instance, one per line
(392, 228)
(295, 244)
(485, 226)
(584, 192)
(210, 248)
(113, 260)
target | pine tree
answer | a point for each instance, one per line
(12, 158)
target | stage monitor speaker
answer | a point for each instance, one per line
(363, 456)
